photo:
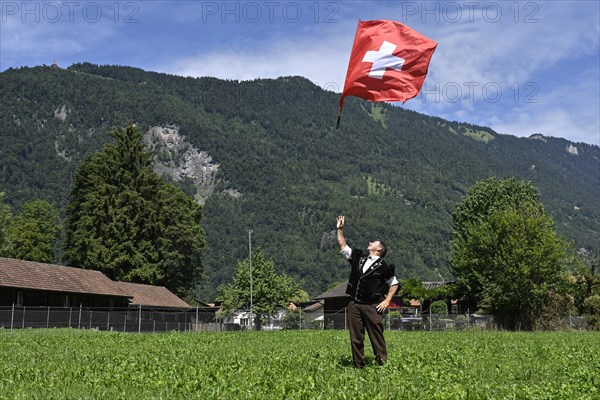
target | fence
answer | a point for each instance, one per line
(440, 322)
(138, 319)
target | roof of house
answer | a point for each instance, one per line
(314, 307)
(154, 296)
(56, 278)
(338, 291)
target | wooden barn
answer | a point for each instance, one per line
(27, 283)
(34, 295)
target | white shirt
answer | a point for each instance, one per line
(347, 252)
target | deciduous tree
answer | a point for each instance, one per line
(269, 290)
(507, 256)
(34, 233)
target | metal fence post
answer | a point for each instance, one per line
(430, 320)
(80, 309)
(23, 319)
(108, 322)
(70, 313)
(48, 318)
(196, 327)
(12, 317)
(139, 318)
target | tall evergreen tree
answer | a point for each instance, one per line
(34, 233)
(124, 220)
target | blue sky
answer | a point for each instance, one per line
(518, 67)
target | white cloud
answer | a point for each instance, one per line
(322, 59)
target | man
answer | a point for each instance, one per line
(371, 286)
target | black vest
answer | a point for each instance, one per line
(370, 287)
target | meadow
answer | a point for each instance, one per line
(73, 364)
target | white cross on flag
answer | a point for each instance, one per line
(389, 62)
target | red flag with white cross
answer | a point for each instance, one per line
(389, 62)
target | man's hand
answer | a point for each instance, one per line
(340, 231)
(381, 307)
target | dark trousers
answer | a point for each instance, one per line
(361, 317)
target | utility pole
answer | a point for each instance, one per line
(438, 272)
(250, 260)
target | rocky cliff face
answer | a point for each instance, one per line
(178, 159)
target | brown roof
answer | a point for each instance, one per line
(154, 296)
(55, 278)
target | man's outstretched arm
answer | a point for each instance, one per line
(340, 231)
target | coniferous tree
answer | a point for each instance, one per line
(126, 221)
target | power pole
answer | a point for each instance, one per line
(250, 260)
(438, 272)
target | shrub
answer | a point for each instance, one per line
(439, 307)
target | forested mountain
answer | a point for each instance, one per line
(265, 155)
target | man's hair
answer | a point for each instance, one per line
(383, 246)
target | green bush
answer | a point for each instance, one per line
(439, 307)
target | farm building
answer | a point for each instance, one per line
(157, 297)
(27, 283)
(34, 294)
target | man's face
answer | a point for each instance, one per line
(374, 246)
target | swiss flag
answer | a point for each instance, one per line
(389, 62)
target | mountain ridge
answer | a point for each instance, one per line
(397, 174)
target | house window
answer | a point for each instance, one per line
(19, 299)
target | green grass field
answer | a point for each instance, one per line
(71, 364)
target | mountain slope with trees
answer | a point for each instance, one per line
(396, 174)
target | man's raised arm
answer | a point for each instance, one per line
(340, 231)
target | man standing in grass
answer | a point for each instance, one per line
(371, 286)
